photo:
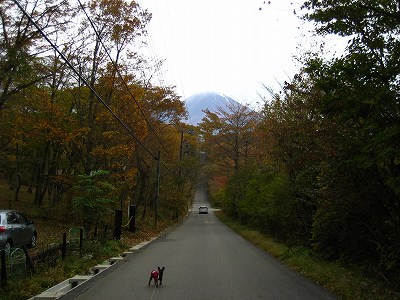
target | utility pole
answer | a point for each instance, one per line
(158, 158)
(181, 147)
(181, 155)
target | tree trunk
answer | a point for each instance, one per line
(42, 179)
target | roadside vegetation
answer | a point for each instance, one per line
(344, 279)
(318, 167)
(85, 130)
(51, 227)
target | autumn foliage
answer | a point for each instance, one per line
(96, 110)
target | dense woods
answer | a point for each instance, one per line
(81, 121)
(320, 167)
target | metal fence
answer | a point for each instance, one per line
(18, 262)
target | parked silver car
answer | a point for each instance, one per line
(16, 230)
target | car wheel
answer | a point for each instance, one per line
(33, 241)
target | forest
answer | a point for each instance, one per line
(83, 126)
(319, 166)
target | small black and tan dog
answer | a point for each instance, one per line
(157, 276)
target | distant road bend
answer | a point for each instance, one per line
(203, 259)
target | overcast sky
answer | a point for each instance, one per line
(226, 46)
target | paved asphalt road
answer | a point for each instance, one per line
(203, 259)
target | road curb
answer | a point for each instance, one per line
(69, 285)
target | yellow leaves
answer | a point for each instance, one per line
(123, 175)
(131, 173)
(103, 115)
(110, 134)
(98, 151)
(61, 179)
(115, 154)
(118, 158)
(118, 150)
(17, 140)
(48, 131)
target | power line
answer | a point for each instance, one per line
(80, 76)
(153, 52)
(174, 49)
(121, 77)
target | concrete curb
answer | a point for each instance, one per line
(70, 284)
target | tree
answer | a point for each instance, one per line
(229, 142)
(163, 110)
(297, 142)
(93, 198)
(20, 46)
(116, 25)
(52, 127)
(228, 135)
(361, 90)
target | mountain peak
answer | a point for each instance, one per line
(197, 103)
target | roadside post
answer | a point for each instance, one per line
(64, 246)
(118, 224)
(28, 259)
(3, 268)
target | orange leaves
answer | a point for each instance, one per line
(116, 156)
(110, 134)
(48, 131)
(120, 21)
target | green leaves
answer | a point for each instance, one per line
(93, 197)
(361, 95)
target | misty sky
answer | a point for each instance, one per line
(227, 46)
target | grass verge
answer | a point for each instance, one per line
(345, 281)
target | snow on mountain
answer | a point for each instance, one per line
(199, 102)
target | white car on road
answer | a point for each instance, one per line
(203, 209)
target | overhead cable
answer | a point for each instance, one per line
(81, 78)
(121, 77)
